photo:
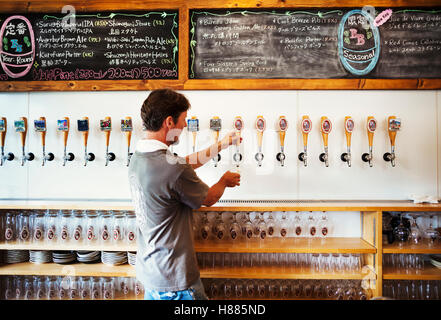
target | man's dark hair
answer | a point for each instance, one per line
(160, 104)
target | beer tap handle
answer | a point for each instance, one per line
(238, 126)
(325, 128)
(110, 156)
(394, 125)
(349, 127)
(281, 127)
(3, 132)
(371, 126)
(306, 126)
(215, 126)
(83, 126)
(128, 139)
(23, 134)
(260, 127)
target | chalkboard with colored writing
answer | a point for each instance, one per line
(320, 43)
(89, 46)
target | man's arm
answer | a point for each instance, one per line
(200, 158)
(229, 179)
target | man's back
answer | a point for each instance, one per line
(164, 191)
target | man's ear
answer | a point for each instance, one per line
(168, 122)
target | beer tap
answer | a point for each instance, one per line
(281, 127)
(349, 127)
(216, 126)
(83, 126)
(238, 126)
(3, 129)
(260, 127)
(106, 127)
(21, 126)
(40, 126)
(127, 128)
(371, 126)
(193, 127)
(63, 126)
(306, 127)
(325, 128)
(394, 125)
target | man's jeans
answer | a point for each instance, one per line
(195, 292)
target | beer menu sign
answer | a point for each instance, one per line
(92, 46)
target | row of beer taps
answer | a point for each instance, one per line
(394, 125)
(63, 125)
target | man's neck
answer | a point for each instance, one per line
(160, 136)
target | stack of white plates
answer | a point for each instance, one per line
(436, 260)
(16, 256)
(40, 256)
(114, 258)
(132, 258)
(63, 257)
(88, 256)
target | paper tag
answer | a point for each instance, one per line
(215, 124)
(40, 125)
(193, 125)
(126, 125)
(105, 125)
(62, 125)
(83, 125)
(19, 126)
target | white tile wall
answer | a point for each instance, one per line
(418, 150)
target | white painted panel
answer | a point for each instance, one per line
(269, 181)
(416, 145)
(75, 180)
(438, 100)
(13, 177)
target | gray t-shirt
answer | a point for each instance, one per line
(165, 190)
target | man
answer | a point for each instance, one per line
(165, 190)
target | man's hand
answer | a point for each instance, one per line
(230, 139)
(231, 179)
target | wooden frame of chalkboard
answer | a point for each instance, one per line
(184, 80)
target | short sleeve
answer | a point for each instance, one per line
(191, 190)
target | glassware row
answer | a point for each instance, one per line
(412, 289)
(414, 228)
(404, 263)
(247, 225)
(70, 288)
(69, 226)
(303, 262)
(285, 289)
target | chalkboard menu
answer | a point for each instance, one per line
(315, 43)
(89, 46)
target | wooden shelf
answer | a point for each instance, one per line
(65, 247)
(279, 273)
(294, 205)
(423, 248)
(75, 269)
(430, 272)
(288, 245)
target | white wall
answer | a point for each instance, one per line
(416, 171)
